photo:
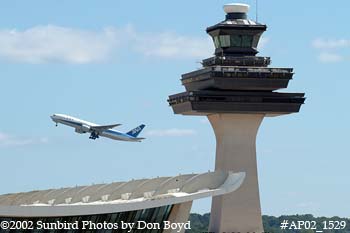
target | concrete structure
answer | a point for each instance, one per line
(150, 200)
(235, 136)
(235, 89)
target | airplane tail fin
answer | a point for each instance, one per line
(135, 132)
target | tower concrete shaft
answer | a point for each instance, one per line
(235, 151)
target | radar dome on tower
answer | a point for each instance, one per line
(236, 8)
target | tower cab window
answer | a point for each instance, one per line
(238, 41)
(216, 42)
(225, 40)
(247, 41)
(243, 41)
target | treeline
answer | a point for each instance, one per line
(200, 223)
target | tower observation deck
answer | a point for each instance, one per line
(236, 89)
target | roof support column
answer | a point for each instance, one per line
(179, 214)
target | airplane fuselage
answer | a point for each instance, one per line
(82, 126)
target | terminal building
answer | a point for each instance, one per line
(236, 90)
(138, 201)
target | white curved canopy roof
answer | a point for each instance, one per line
(119, 196)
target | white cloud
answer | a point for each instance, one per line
(263, 42)
(55, 44)
(308, 205)
(328, 57)
(321, 43)
(11, 141)
(171, 132)
(204, 121)
(172, 45)
(51, 43)
(330, 50)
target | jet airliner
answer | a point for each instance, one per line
(95, 130)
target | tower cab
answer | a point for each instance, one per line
(236, 35)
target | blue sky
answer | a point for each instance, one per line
(117, 62)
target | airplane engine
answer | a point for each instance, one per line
(78, 130)
(85, 128)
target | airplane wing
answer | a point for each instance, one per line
(103, 127)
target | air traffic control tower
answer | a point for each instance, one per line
(236, 89)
